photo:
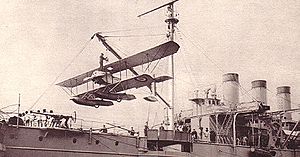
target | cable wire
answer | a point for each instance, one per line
(218, 67)
(202, 51)
(128, 36)
(58, 76)
(132, 29)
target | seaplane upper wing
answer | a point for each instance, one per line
(144, 57)
(135, 82)
(147, 56)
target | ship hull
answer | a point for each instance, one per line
(222, 150)
(58, 142)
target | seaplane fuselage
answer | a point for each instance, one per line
(100, 77)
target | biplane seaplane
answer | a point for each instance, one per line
(112, 88)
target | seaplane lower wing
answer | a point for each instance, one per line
(144, 57)
(111, 91)
(135, 82)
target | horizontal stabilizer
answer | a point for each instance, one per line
(162, 78)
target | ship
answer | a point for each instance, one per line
(213, 126)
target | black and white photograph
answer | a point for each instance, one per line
(149, 78)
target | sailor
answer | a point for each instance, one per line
(212, 136)
(185, 128)
(161, 128)
(206, 134)
(47, 121)
(176, 126)
(238, 141)
(27, 122)
(66, 121)
(62, 123)
(245, 140)
(34, 121)
(101, 59)
(52, 121)
(39, 121)
(104, 129)
(189, 129)
(146, 129)
(201, 132)
(56, 120)
(194, 134)
(132, 131)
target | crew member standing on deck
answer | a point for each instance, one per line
(194, 134)
(161, 128)
(146, 129)
(101, 59)
(132, 131)
(104, 129)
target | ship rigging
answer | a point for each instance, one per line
(219, 124)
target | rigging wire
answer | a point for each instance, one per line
(201, 50)
(119, 49)
(211, 60)
(148, 66)
(283, 97)
(116, 46)
(70, 95)
(132, 29)
(58, 76)
(128, 36)
(246, 92)
(250, 96)
(155, 66)
(184, 56)
(8, 106)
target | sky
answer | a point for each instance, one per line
(40, 41)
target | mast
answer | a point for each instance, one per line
(171, 22)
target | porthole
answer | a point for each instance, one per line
(41, 138)
(74, 140)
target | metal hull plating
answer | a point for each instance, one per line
(28, 142)
(222, 150)
(57, 142)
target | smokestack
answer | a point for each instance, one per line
(231, 90)
(284, 100)
(259, 90)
